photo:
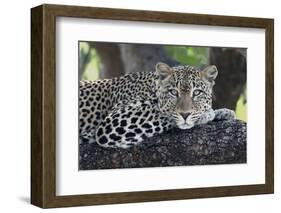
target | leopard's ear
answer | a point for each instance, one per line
(209, 74)
(163, 70)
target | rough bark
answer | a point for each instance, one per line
(222, 142)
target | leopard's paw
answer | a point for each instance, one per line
(224, 114)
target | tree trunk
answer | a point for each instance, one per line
(112, 65)
(222, 142)
(231, 80)
(119, 59)
(143, 57)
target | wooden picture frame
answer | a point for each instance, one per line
(43, 105)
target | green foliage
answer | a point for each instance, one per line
(90, 62)
(188, 55)
(241, 107)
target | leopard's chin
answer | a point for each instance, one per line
(184, 125)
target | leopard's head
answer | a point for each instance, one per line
(185, 92)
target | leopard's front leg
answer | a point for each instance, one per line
(205, 117)
(224, 114)
(216, 115)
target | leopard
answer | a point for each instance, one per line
(123, 111)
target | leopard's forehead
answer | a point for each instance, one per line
(187, 77)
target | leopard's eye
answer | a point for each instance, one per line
(197, 92)
(173, 92)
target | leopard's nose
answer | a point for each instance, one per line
(185, 115)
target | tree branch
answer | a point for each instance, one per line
(222, 142)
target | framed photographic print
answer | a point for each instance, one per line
(136, 106)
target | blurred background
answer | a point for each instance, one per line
(99, 60)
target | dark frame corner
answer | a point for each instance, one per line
(43, 102)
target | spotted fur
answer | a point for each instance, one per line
(122, 112)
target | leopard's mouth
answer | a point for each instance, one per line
(184, 124)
